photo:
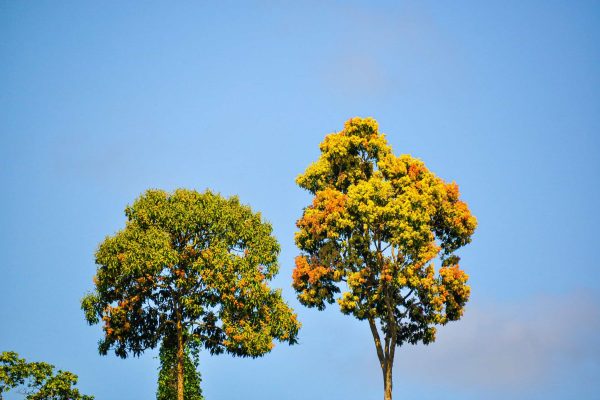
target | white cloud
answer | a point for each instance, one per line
(510, 346)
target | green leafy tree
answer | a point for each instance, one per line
(37, 380)
(193, 269)
(370, 237)
(167, 377)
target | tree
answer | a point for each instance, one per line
(376, 224)
(192, 269)
(167, 377)
(37, 379)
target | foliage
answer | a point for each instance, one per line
(191, 268)
(371, 234)
(167, 377)
(37, 379)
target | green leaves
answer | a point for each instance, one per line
(37, 380)
(195, 259)
(167, 376)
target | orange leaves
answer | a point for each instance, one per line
(453, 223)
(386, 275)
(333, 201)
(452, 191)
(305, 272)
(148, 281)
(314, 281)
(414, 170)
(180, 273)
(327, 207)
(454, 290)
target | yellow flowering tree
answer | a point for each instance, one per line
(370, 238)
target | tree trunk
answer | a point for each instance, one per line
(386, 358)
(180, 357)
(387, 382)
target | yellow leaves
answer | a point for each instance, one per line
(346, 156)
(453, 274)
(357, 279)
(316, 176)
(369, 201)
(427, 281)
(337, 275)
(392, 167)
(361, 127)
(348, 302)
(380, 220)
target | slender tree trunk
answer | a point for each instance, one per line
(387, 382)
(385, 353)
(180, 357)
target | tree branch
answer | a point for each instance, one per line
(377, 340)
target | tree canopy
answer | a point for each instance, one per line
(193, 269)
(37, 380)
(369, 240)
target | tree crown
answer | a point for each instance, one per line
(37, 379)
(191, 261)
(377, 222)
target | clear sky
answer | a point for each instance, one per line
(100, 101)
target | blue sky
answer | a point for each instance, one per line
(100, 101)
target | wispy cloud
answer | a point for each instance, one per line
(511, 346)
(379, 51)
